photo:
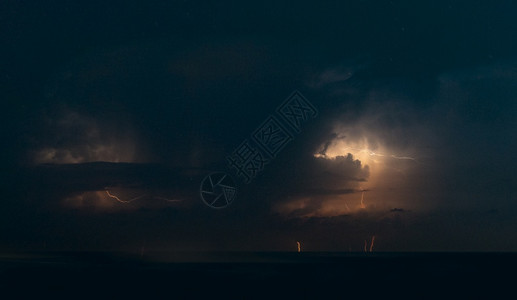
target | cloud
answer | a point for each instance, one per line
(72, 137)
(452, 148)
(372, 137)
(318, 186)
(111, 187)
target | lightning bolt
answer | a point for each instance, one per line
(136, 198)
(372, 153)
(362, 200)
(120, 200)
(371, 245)
(346, 205)
(299, 247)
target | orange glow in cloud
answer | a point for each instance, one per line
(388, 168)
(369, 149)
(302, 207)
(92, 140)
(384, 173)
(374, 159)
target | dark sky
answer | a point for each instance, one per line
(413, 141)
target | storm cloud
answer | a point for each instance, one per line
(110, 126)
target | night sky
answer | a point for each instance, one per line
(114, 112)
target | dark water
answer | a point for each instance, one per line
(245, 275)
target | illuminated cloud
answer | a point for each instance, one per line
(77, 138)
(427, 124)
(322, 187)
(114, 187)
